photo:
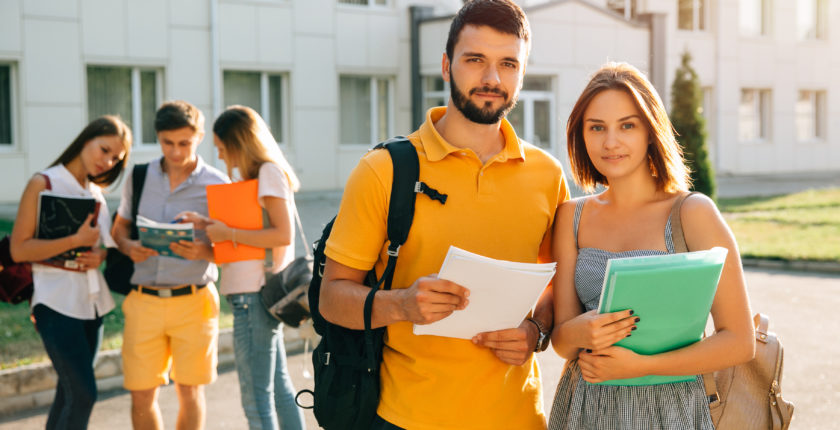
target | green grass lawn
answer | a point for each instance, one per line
(800, 226)
(20, 344)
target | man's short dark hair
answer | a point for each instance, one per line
(178, 114)
(504, 16)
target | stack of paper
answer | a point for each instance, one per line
(672, 294)
(158, 236)
(501, 293)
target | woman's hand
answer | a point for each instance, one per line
(218, 231)
(594, 331)
(199, 221)
(91, 259)
(86, 235)
(610, 363)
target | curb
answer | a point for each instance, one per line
(33, 386)
(829, 267)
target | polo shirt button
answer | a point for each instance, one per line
(245, 306)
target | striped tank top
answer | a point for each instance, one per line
(581, 405)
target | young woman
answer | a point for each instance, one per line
(68, 305)
(244, 143)
(619, 136)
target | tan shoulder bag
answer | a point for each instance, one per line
(749, 395)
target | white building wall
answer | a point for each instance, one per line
(51, 42)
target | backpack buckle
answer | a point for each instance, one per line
(394, 252)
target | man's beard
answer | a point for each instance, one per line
(475, 113)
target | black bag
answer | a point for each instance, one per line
(346, 362)
(15, 278)
(284, 294)
(118, 266)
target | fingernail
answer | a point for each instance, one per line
(638, 319)
(632, 311)
(628, 334)
(634, 327)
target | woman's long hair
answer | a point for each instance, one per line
(108, 125)
(249, 142)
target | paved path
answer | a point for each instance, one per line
(802, 311)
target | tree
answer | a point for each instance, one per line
(691, 127)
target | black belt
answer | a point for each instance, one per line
(164, 292)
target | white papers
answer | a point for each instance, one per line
(501, 293)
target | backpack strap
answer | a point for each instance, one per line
(678, 237)
(138, 179)
(677, 233)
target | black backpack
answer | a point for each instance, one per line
(118, 266)
(346, 362)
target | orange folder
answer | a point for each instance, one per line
(237, 206)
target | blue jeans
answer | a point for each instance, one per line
(268, 396)
(72, 345)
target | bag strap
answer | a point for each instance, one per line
(138, 179)
(678, 238)
(299, 224)
(677, 233)
(405, 186)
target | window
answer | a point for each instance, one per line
(754, 115)
(754, 17)
(263, 92)
(365, 2)
(6, 103)
(810, 115)
(532, 116)
(435, 92)
(691, 14)
(811, 19)
(132, 93)
(624, 7)
(366, 109)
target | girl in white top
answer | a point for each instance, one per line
(245, 143)
(68, 305)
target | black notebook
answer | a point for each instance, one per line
(61, 216)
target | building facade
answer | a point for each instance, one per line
(331, 77)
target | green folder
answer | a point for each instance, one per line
(672, 294)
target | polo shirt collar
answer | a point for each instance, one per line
(436, 147)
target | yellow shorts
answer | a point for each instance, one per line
(179, 331)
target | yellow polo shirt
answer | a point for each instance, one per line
(502, 209)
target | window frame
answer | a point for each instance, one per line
(818, 98)
(371, 4)
(282, 138)
(140, 141)
(765, 20)
(14, 120)
(697, 17)
(374, 117)
(763, 106)
(820, 21)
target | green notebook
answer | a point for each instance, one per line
(672, 294)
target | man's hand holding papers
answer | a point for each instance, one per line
(431, 299)
(501, 295)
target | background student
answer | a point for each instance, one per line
(68, 305)
(245, 144)
(171, 316)
(619, 136)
